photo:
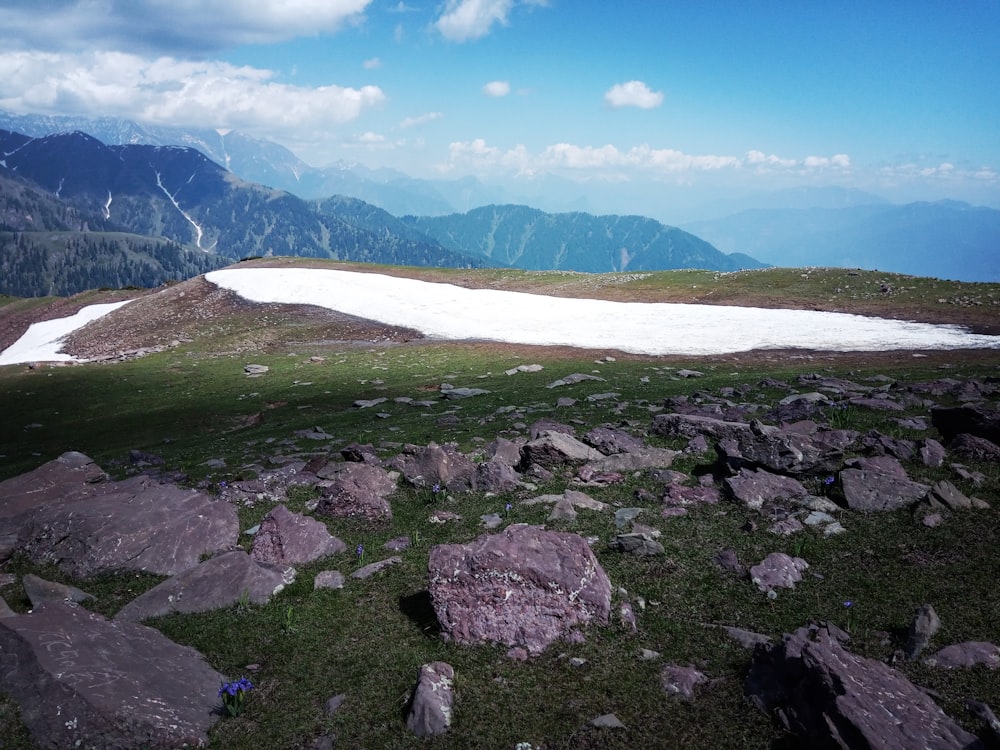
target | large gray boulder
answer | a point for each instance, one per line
(522, 587)
(552, 448)
(84, 681)
(63, 514)
(755, 488)
(832, 698)
(287, 537)
(217, 583)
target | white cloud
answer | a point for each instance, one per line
(610, 162)
(633, 94)
(160, 26)
(410, 122)
(463, 20)
(372, 64)
(170, 91)
(496, 88)
(371, 138)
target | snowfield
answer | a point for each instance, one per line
(449, 312)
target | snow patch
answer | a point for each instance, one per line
(42, 342)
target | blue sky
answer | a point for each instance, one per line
(655, 99)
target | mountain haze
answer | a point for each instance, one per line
(533, 240)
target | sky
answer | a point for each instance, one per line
(689, 98)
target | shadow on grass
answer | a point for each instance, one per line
(419, 609)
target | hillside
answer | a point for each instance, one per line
(530, 239)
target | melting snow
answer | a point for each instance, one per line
(42, 342)
(446, 311)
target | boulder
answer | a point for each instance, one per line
(970, 419)
(524, 587)
(975, 448)
(678, 680)
(646, 457)
(878, 484)
(220, 582)
(290, 538)
(609, 440)
(777, 570)
(63, 514)
(638, 544)
(755, 488)
(357, 489)
(966, 655)
(553, 448)
(431, 705)
(782, 452)
(443, 465)
(831, 698)
(84, 681)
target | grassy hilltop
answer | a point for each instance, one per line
(191, 402)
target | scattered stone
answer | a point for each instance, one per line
(367, 571)
(975, 448)
(576, 377)
(84, 681)
(678, 680)
(966, 655)
(830, 697)
(644, 458)
(457, 393)
(255, 371)
(746, 638)
(523, 368)
(491, 520)
(726, 560)
(333, 704)
(932, 520)
(877, 489)
(777, 570)
(689, 374)
(883, 404)
(931, 452)
(610, 440)
(443, 516)
(329, 579)
(442, 465)
(397, 544)
(755, 488)
(625, 516)
(291, 538)
(606, 721)
(648, 654)
(923, 627)
(357, 490)
(40, 591)
(220, 582)
(522, 587)
(554, 448)
(638, 544)
(946, 495)
(430, 709)
(681, 495)
(786, 527)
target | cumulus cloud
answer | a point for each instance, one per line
(609, 161)
(633, 94)
(496, 88)
(464, 20)
(170, 91)
(411, 122)
(160, 26)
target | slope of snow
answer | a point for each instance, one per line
(446, 311)
(42, 341)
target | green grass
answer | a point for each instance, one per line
(368, 640)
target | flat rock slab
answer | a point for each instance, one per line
(832, 698)
(966, 655)
(58, 514)
(84, 681)
(872, 490)
(290, 538)
(214, 584)
(755, 488)
(525, 587)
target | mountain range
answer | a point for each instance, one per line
(178, 195)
